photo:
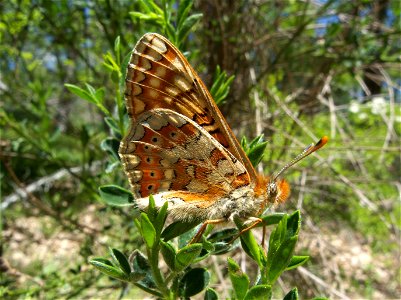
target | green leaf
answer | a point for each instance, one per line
(224, 235)
(152, 210)
(111, 145)
(99, 95)
(81, 93)
(117, 48)
(152, 6)
(177, 228)
(123, 67)
(294, 224)
(169, 254)
(281, 246)
(271, 219)
(112, 124)
(186, 238)
(256, 153)
(135, 277)
(257, 140)
(187, 26)
(281, 258)
(292, 295)
(90, 89)
(193, 282)
(186, 255)
(146, 17)
(183, 11)
(121, 260)
(297, 261)
(148, 231)
(254, 149)
(211, 294)
(250, 245)
(161, 218)
(207, 245)
(244, 144)
(277, 235)
(108, 269)
(84, 135)
(116, 196)
(110, 166)
(103, 260)
(223, 248)
(239, 280)
(140, 265)
(262, 292)
(221, 85)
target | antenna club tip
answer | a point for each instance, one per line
(323, 141)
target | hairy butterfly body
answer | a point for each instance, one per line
(180, 149)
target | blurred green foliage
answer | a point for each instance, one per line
(302, 70)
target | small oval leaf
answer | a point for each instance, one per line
(262, 292)
(116, 196)
(122, 261)
(239, 280)
(108, 270)
(185, 256)
(297, 261)
(292, 295)
(148, 231)
(168, 253)
(177, 228)
(211, 294)
(281, 258)
(193, 282)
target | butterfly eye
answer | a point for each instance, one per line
(272, 190)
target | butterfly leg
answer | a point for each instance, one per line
(263, 237)
(255, 222)
(202, 229)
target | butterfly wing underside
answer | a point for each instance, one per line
(178, 146)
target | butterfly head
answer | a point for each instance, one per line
(278, 189)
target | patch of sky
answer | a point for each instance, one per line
(324, 22)
(50, 61)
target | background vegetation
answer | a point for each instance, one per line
(302, 69)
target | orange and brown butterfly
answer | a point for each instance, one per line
(180, 149)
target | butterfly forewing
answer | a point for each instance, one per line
(178, 143)
(159, 76)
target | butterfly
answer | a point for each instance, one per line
(180, 149)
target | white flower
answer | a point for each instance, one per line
(378, 105)
(363, 116)
(354, 107)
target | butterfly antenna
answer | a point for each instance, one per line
(307, 151)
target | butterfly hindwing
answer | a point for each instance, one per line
(166, 151)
